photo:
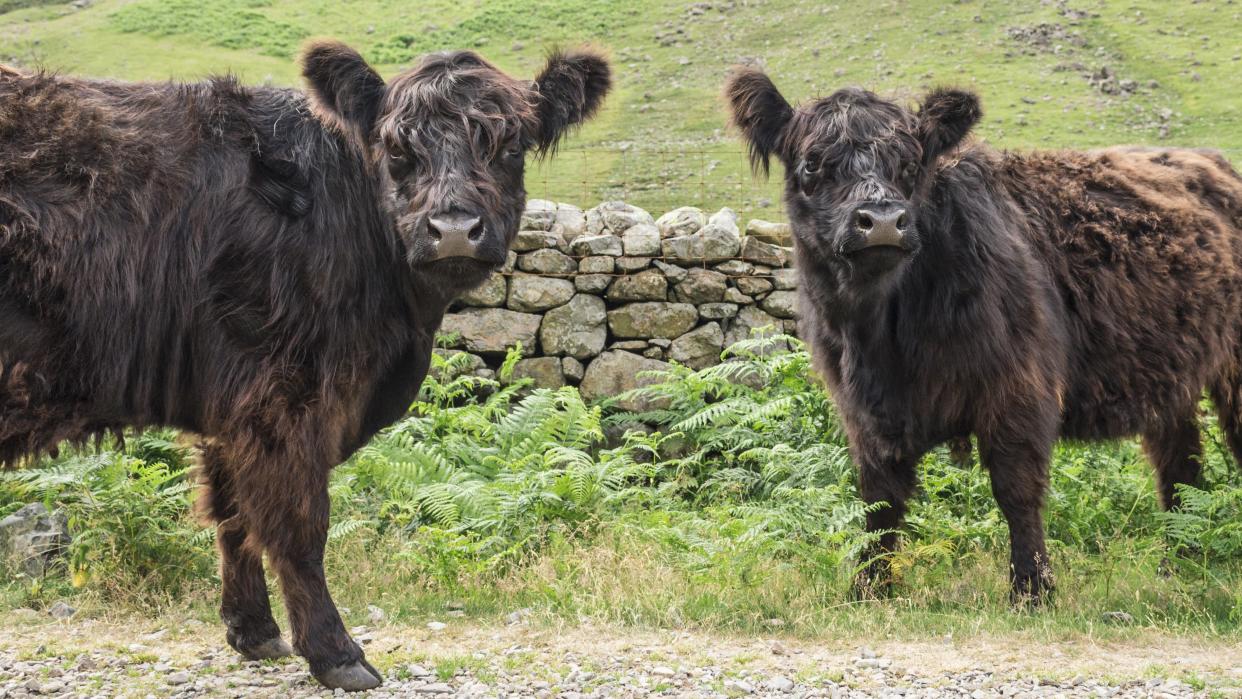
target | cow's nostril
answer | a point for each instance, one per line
(864, 221)
(902, 220)
(476, 233)
(436, 235)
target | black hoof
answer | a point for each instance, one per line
(258, 644)
(355, 677)
(270, 649)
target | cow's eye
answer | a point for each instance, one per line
(513, 151)
(398, 165)
(811, 165)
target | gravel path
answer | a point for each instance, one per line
(85, 658)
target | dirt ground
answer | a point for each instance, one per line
(40, 656)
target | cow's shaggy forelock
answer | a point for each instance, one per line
(455, 99)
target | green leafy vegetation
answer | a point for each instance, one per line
(731, 504)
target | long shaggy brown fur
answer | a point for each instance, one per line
(252, 265)
(1091, 295)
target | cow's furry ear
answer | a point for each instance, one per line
(945, 118)
(343, 86)
(568, 91)
(759, 111)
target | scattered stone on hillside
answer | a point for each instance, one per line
(490, 293)
(781, 304)
(61, 610)
(1118, 618)
(769, 232)
(735, 268)
(753, 286)
(615, 217)
(572, 369)
(652, 319)
(527, 241)
(641, 240)
(673, 272)
(717, 311)
(649, 285)
(732, 295)
(547, 262)
(785, 279)
(597, 245)
(530, 293)
(577, 329)
(592, 283)
(32, 538)
(545, 372)
(748, 323)
(597, 264)
(701, 286)
(491, 331)
(633, 264)
(615, 372)
(686, 220)
(757, 251)
(700, 347)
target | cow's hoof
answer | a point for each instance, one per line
(270, 649)
(355, 677)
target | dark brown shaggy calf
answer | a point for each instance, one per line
(262, 267)
(951, 290)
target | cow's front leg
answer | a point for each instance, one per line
(244, 604)
(284, 498)
(885, 481)
(1018, 465)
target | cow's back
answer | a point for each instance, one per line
(116, 201)
(1145, 247)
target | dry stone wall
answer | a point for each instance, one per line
(595, 297)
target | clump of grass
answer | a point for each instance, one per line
(231, 24)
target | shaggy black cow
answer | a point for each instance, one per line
(950, 290)
(262, 267)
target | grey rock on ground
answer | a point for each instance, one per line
(32, 538)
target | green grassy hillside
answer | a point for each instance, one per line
(1052, 74)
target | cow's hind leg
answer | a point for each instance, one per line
(283, 496)
(1227, 396)
(1174, 448)
(244, 606)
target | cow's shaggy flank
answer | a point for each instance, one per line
(950, 290)
(261, 267)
